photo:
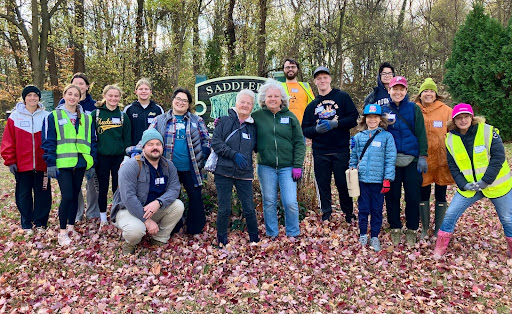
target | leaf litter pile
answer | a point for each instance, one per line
(324, 270)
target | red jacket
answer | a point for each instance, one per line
(21, 142)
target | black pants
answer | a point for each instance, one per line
(411, 179)
(33, 210)
(439, 192)
(107, 166)
(325, 166)
(70, 183)
(196, 218)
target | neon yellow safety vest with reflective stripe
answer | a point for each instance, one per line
(69, 143)
(306, 88)
(481, 156)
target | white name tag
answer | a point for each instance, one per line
(150, 120)
(116, 120)
(438, 124)
(479, 149)
(194, 124)
(159, 181)
(285, 120)
(391, 116)
(25, 124)
(319, 109)
(376, 144)
(180, 126)
(63, 121)
(246, 136)
(295, 90)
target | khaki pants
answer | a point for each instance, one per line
(134, 229)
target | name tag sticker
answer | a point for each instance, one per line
(295, 90)
(246, 136)
(285, 120)
(194, 124)
(116, 120)
(24, 124)
(63, 121)
(479, 149)
(159, 181)
(180, 126)
(391, 116)
(150, 120)
(438, 124)
(376, 144)
(319, 109)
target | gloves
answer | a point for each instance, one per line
(90, 173)
(333, 124)
(133, 155)
(480, 185)
(323, 126)
(296, 174)
(241, 161)
(385, 186)
(52, 172)
(352, 143)
(13, 169)
(470, 187)
(422, 166)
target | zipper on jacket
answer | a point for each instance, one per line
(275, 141)
(33, 145)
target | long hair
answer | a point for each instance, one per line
(105, 91)
(361, 123)
(474, 121)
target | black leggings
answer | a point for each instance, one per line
(439, 192)
(70, 183)
(105, 167)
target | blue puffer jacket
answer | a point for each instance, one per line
(378, 162)
(406, 141)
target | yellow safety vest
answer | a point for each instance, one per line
(306, 88)
(69, 143)
(481, 156)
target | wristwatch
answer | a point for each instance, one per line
(160, 202)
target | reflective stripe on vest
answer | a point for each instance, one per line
(69, 143)
(481, 156)
(304, 86)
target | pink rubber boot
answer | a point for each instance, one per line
(443, 238)
(509, 242)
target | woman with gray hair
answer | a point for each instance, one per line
(281, 150)
(234, 140)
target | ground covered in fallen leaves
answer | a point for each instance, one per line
(324, 270)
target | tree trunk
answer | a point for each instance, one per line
(262, 34)
(78, 41)
(231, 37)
(342, 4)
(139, 38)
(196, 59)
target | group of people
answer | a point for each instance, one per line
(400, 143)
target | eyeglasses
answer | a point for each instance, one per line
(183, 101)
(386, 74)
(290, 67)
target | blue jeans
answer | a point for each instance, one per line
(459, 204)
(269, 179)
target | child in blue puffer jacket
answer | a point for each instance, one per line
(376, 170)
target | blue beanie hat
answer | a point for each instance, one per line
(151, 134)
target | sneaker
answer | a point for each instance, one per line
(28, 232)
(128, 248)
(395, 236)
(103, 226)
(326, 216)
(375, 244)
(72, 232)
(64, 239)
(410, 237)
(40, 230)
(363, 239)
(157, 243)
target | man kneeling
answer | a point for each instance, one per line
(147, 197)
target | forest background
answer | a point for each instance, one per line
(170, 41)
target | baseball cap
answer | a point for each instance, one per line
(320, 70)
(462, 108)
(398, 80)
(372, 109)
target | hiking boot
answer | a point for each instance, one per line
(157, 243)
(254, 237)
(395, 236)
(410, 237)
(439, 215)
(425, 218)
(128, 249)
(326, 216)
(63, 239)
(363, 239)
(375, 244)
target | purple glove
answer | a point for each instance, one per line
(296, 174)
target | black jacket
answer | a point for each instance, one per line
(243, 142)
(141, 118)
(495, 163)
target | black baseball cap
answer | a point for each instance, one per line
(320, 70)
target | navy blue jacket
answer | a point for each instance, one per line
(379, 95)
(141, 118)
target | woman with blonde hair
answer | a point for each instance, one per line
(114, 133)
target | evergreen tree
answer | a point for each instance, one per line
(475, 73)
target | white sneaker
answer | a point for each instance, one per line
(28, 232)
(72, 232)
(64, 239)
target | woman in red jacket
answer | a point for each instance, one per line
(22, 153)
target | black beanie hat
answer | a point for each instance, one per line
(30, 89)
